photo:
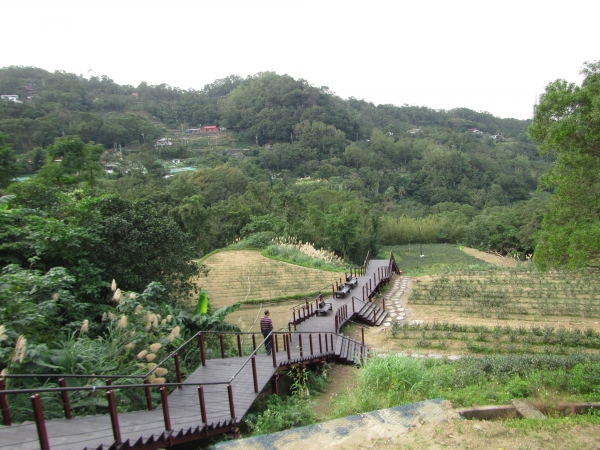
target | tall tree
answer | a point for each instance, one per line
(8, 162)
(567, 124)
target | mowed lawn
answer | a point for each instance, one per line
(240, 275)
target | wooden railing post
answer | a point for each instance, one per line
(239, 342)
(320, 344)
(178, 370)
(4, 405)
(273, 352)
(202, 352)
(165, 408)
(222, 345)
(326, 344)
(300, 344)
(254, 374)
(148, 395)
(253, 342)
(363, 335)
(383, 303)
(114, 419)
(65, 398)
(331, 336)
(202, 404)
(289, 354)
(276, 342)
(231, 406)
(40, 424)
(336, 322)
(311, 344)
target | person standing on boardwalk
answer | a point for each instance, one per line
(266, 326)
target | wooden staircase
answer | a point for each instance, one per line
(370, 313)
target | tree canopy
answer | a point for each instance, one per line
(567, 125)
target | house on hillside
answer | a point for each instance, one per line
(163, 142)
(10, 98)
(210, 129)
(498, 138)
(475, 131)
(414, 131)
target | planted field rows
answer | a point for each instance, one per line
(505, 339)
(518, 294)
(240, 275)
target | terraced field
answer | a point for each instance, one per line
(241, 275)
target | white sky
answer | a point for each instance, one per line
(491, 56)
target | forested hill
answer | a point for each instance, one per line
(267, 107)
(295, 160)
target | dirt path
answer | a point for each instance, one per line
(488, 257)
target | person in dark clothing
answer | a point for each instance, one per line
(266, 326)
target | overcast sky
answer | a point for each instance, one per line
(487, 56)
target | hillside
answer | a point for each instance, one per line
(288, 147)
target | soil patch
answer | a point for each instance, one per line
(342, 378)
(490, 258)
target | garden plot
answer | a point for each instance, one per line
(240, 275)
(520, 294)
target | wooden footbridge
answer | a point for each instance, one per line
(213, 399)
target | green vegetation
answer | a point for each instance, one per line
(514, 294)
(282, 413)
(389, 380)
(304, 254)
(501, 339)
(566, 124)
(438, 258)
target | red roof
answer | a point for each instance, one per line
(210, 128)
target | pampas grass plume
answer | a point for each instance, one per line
(141, 354)
(155, 347)
(20, 348)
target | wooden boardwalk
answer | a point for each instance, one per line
(146, 429)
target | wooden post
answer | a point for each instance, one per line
(201, 345)
(239, 341)
(109, 382)
(353, 310)
(114, 419)
(38, 413)
(332, 291)
(230, 395)
(254, 374)
(300, 344)
(276, 343)
(336, 322)
(284, 342)
(165, 408)
(363, 293)
(202, 404)
(331, 336)
(320, 344)
(383, 303)
(178, 370)
(273, 352)
(253, 342)
(65, 398)
(311, 344)
(4, 405)
(326, 344)
(148, 396)
(289, 355)
(294, 312)
(363, 335)
(222, 345)
(374, 317)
